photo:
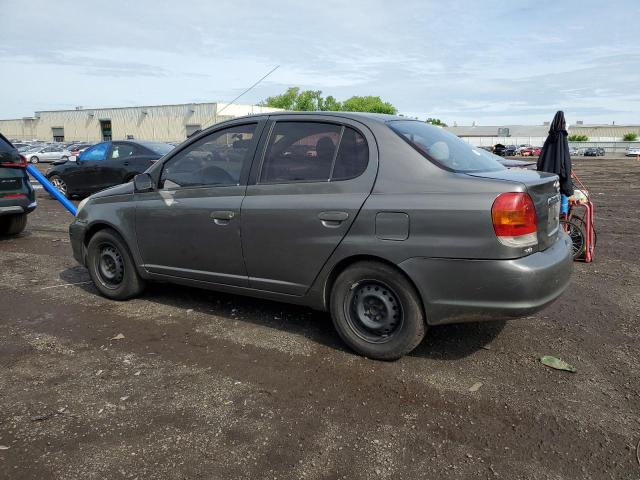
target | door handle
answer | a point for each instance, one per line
(222, 217)
(126, 164)
(332, 219)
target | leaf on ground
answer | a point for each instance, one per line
(118, 337)
(556, 363)
(4, 447)
(475, 387)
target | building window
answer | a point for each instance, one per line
(58, 134)
(129, 136)
(105, 128)
(191, 129)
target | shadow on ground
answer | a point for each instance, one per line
(444, 342)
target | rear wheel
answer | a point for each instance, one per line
(34, 159)
(111, 266)
(376, 311)
(13, 224)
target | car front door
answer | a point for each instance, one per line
(115, 169)
(190, 226)
(85, 178)
(302, 198)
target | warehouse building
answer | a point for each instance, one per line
(157, 122)
(610, 137)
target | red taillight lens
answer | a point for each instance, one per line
(22, 163)
(14, 195)
(514, 219)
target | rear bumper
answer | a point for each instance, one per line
(457, 290)
(16, 206)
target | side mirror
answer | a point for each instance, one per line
(143, 183)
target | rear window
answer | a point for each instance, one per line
(443, 148)
(5, 145)
(159, 148)
(313, 152)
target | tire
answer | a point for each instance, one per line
(373, 288)
(65, 158)
(576, 229)
(13, 224)
(34, 159)
(111, 266)
(60, 184)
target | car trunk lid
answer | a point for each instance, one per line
(544, 190)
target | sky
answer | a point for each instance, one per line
(489, 62)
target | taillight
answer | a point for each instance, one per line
(14, 195)
(22, 163)
(514, 219)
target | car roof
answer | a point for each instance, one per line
(380, 117)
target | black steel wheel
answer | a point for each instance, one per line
(111, 266)
(373, 311)
(377, 311)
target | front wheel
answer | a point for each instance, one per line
(60, 184)
(34, 159)
(13, 224)
(111, 266)
(377, 311)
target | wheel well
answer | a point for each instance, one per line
(345, 263)
(95, 229)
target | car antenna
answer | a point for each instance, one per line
(215, 115)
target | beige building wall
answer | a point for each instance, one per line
(157, 122)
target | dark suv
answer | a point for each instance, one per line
(17, 197)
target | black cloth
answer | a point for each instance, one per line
(555, 157)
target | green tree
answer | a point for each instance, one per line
(630, 137)
(286, 101)
(578, 138)
(309, 100)
(330, 104)
(436, 121)
(368, 104)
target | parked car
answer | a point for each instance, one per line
(594, 152)
(383, 226)
(104, 165)
(78, 148)
(633, 151)
(522, 147)
(47, 153)
(17, 197)
(531, 152)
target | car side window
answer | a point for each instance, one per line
(214, 160)
(300, 152)
(353, 156)
(97, 152)
(124, 150)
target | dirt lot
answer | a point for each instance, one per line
(212, 386)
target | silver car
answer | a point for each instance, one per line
(390, 224)
(47, 154)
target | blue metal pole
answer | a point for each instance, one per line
(35, 173)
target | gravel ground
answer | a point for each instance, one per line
(184, 383)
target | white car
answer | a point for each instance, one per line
(47, 153)
(633, 151)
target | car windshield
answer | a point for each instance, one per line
(159, 147)
(444, 148)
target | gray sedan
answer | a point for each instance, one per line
(47, 153)
(390, 224)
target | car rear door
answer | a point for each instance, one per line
(306, 189)
(190, 226)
